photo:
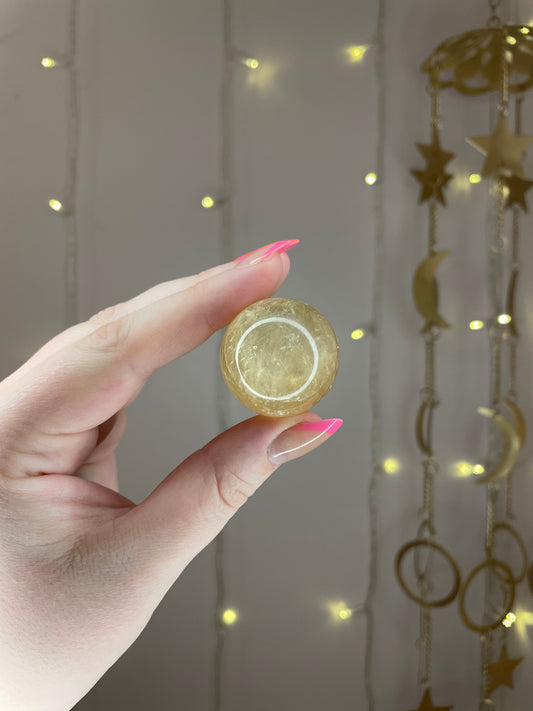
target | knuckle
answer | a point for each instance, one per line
(105, 315)
(232, 489)
(112, 335)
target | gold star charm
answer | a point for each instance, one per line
(518, 188)
(503, 149)
(502, 671)
(433, 179)
(427, 704)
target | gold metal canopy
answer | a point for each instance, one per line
(472, 62)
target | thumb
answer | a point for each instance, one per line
(195, 501)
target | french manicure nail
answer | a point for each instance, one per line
(266, 251)
(300, 439)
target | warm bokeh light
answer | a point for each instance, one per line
(48, 62)
(229, 617)
(250, 62)
(509, 619)
(524, 30)
(357, 52)
(357, 334)
(478, 469)
(207, 201)
(463, 468)
(339, 611)
(474, 178)
(510, 39)
(370, 178)
(504, 319)
(476, 325)
(391, 465)
(56, 205)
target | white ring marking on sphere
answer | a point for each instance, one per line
(279, 319)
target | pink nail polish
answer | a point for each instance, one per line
(268, 250)
(301, 439)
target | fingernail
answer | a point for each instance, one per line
(300, 439)
(266, 251)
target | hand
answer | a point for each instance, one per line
(82, 568)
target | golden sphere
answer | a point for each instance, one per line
(279, 357)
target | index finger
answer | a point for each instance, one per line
(88, 381)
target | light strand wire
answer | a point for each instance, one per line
(71, 173)
(375, 350)
(226, 253)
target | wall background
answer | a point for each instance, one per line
(305, 134)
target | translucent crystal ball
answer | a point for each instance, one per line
(279, 357)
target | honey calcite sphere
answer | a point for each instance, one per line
(279, 357)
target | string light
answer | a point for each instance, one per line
(207, 202)
(340, 611)
(370, 178)
(476, 325)
(504, 319)
(524, 30)
(48, 62)
(229, 617)
(358, 333)
(478, 469)
(510, 39)
(464, 468)
(56, 205)
(474, 178)
(509, 619)
(357, 52)
(250, 62)
(391, 465)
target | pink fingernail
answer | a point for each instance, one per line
(301, 439)
(329, 426)
(266, 251)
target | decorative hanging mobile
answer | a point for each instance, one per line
(433, 179)
(498, 58)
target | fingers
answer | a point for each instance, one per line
(86, 382)
(192, 505)
(76, 332)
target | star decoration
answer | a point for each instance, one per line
(503, 149)
(427, 704)
(502, 671)
(518, 188)
(433, 179)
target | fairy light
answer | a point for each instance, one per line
(207, 202)
(524, 30)
(478, 469)
(56, 205)
(463, 468)
(357, 334)
(509, 619)
(391, 465)
(357, 52)
(504, 319)
(476, 325)
(229, 617)
(510, 39)
(474, 178)
(370, 178)
(250, 62)
(48, 62)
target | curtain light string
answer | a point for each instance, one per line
(375, 352)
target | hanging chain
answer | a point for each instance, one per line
(494, 19)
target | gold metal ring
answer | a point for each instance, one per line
(514, 533)
(489, 563)
(417, 598)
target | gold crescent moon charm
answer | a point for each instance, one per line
(510, 447)
(423, 437)
(425, 290)
(511, 301)
(519, 421)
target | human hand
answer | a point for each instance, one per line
(82, 568)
